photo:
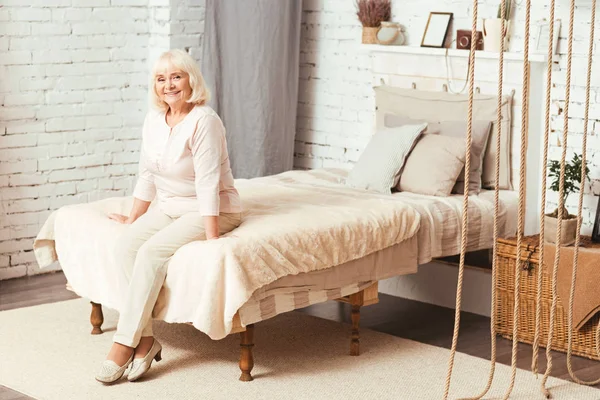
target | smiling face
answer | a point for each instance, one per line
(176, 82)
(172, 85)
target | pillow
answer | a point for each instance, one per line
(442, 106)
(448, 156)
(458, 129)
(378, 168)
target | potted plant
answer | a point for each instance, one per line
(370, 14)
(492, 29)
(571, 185)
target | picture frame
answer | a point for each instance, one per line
(542, 33)
(436, 30)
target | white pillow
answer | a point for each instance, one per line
(433, 165)
(456, 129)
(379, 166)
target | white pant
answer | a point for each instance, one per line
(145, 249)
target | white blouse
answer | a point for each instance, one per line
(186, 167)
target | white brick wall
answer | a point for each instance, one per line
(336, 104)
(159, 25)
(73, 94)
(176, 24)
(187, 25)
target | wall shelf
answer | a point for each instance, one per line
(427, 51)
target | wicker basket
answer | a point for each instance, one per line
(584, 340)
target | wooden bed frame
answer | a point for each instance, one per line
(365, 297)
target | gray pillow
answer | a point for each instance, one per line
(379, 166)
(457, 129)
(445, 153)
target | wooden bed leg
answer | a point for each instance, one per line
(246, 358)
(96, 318)
(356, 300)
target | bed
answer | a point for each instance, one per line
(306, 238)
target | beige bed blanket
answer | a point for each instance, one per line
(287, 229)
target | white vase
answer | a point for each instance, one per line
(492, 34)
(390, 33)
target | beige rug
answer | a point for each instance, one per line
(47, 352)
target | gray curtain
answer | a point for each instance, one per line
(250, 62)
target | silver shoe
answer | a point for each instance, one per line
(111, 371)
(141, 365)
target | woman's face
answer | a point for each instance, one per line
(172, 85)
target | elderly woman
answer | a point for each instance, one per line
(184, 164)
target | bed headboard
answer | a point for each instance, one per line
(435, 72)
(436, 107)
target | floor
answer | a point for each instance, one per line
(408, 319)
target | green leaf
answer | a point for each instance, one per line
(572, 176)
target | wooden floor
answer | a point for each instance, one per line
(408, 319)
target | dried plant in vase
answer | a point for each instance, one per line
(370, 14)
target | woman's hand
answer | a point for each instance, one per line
(122, 219)
(211, 227)
(138, 209)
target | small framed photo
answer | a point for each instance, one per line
(436, 29)
(542, 34)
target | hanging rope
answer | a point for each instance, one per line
(522, 168)
(496, 206)
(520, 228)
(538, 303)
(561, 202)
(463, 247)
(580, 207)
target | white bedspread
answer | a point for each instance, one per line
(440, 217)
(289, 227)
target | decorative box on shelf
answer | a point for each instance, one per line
(584, 339)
